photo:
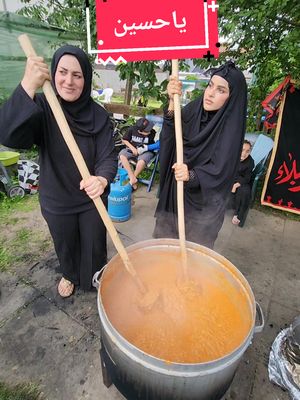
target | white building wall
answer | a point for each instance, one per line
(109, 78)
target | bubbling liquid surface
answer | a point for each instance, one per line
(196, 320)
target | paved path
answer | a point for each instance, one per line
(55, 342)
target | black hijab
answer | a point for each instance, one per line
(213, 140)
(212, 143)
(85, 117)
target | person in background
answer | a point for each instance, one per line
(213, 128)
(78, 232)
(140, 134)
(241, 189)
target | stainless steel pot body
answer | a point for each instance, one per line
(139, 375)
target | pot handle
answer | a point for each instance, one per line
(261, 318)
(95, 280)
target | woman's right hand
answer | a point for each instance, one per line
(174, 87)
(181, 172)
(235, 186)
(36, 72)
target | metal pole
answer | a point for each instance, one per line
(4, 6)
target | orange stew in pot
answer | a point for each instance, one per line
(196, 320)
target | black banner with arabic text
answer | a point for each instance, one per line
(282, 185)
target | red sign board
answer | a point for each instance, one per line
(135, 30)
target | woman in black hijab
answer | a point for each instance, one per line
(213, 131)
(77, 230)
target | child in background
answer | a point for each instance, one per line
(241, 188)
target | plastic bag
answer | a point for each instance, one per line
(284, 361)
(28, 175)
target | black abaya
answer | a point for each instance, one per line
(212, 147)
(60, 196)
(240, 200)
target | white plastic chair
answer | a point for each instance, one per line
(107, 93)
(261, 148)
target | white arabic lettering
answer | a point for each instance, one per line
(123, 33)
(175, 21)
(158, 24)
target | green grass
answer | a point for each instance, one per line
(117, 99)
(274, 212)
(9, 206)
(27, 391)
(6, 258)
(14, 221)
(146, 174)
(25, 246)
(23, 235)
(21, 244)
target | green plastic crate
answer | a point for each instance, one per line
(9, 157)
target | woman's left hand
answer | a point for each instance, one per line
(94, 186)
(181, 172)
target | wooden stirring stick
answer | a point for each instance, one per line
(81, 165)
(179, 155)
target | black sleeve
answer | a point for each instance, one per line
(167, 135)
(106, 158)
(193, 181)
(167, 152)
(20, 121)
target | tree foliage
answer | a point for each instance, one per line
(263, 30)
(66, 14)
(264, 37)
(143, 73)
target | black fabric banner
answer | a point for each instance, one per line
(282, 184)
(272, 103)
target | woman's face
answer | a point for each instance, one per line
(216, 93)
(69, 80)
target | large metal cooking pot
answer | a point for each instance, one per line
(139, 375)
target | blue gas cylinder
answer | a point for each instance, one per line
(119, 199)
